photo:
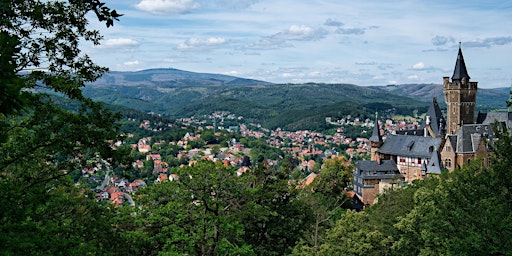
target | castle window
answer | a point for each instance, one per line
(448, 163)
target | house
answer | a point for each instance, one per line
(308, 180)
(117, 198)
(410, 152)
(242, 170)
(374, 177)
(161, 178)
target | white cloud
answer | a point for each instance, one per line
(301, 33)
(488, 42)
(235, 5)
(167, 6)
(201, 44)
(293, 33)
(119, 42)
(131, 63)
(232, 73)
(413, 77)
(419, 65)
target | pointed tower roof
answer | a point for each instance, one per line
(460, 68)
(436, 118)
(434, 165)
(376, 131)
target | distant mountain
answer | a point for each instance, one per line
(487, 99)
(178, 93)
(169, 77)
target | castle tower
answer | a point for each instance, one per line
(460, 96)
(375, 140)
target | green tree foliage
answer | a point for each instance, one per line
(196, 215)
(274, 218)
(351, 236)
(213, 211)
(326, 198)
(42, 212)
(466, 212)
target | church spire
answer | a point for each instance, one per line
(375, 141)
(460, 68)
(376, 131)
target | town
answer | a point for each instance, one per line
(408, 148)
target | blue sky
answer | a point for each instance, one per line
(374, 42)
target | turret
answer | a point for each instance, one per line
(460, 96)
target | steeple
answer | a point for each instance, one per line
(376, 131)
(460, 70)
(375, 140)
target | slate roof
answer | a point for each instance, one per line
(372, 170)
(469, 136)
(376, 131)
(453, 140)
(437, 121)
(460, 70)
(411, 146)
(489, 118)
(434, 164)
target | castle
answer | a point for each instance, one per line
(439, 144)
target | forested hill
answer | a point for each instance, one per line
(487, 99)
(178, 93)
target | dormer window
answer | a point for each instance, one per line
(410, 145)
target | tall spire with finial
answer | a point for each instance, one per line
(460, 70)
(375, 140)
(376, 131)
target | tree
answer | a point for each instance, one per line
(326, 197)
(274, 218)
(350, 236)
(196, 215)
(466, 212)
(42, 211)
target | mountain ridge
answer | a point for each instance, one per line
(177, 93)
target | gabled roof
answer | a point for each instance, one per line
(412, 146)
(434, 164)
(460, 70)
(469, 136)
(373, 170)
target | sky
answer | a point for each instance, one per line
(362, 42)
